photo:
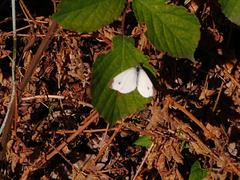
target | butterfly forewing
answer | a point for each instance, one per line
(144, 84)
(126, 81)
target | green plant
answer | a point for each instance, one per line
(144, 141)
(170, 28)
(197, 173)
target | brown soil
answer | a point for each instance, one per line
(57, 134)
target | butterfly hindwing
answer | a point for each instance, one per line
(144, 84)
(126, 81)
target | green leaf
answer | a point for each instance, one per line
(231, 9)
(170, 28)
(87, 15)
(197, 173)
(111, 104)
(144, 141)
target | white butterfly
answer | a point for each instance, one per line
(132, 78)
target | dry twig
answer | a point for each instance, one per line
(36, 59)
(207, 133)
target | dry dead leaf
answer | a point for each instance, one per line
(214, 130)
(216, 175)
(161, 167)
(205, 94)
(151, 159)
(171, 150)
(160, 116)
(232, 149)
(194, 146)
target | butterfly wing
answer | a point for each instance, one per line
(144, 84)
(126, 81)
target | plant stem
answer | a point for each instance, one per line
(13, 59)
(7, 122)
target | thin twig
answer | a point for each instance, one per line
(232, 78)
(12, 105)
(85, 131)
(218, 97)
(224, 159)
(191, 116)
(13, 66)
(6, 125)
(69, 162)
(53, 97)
(143, 161)
(91, 118)
(103, 149)
(104, 136)
(26, 11)
(17, 30)
(42, 97)
(36, 59)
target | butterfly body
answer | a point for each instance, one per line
(132, 78)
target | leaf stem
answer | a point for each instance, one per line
(124, 17)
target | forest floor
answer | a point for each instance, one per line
(57, 134)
